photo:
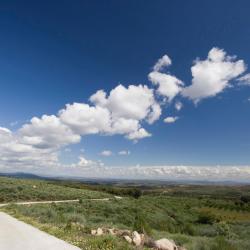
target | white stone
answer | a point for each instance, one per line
(93, 232)
(165, 244)
(111, 231)
(99, 231)
(128, 239)
(136, 238)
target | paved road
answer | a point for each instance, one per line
(17, 235)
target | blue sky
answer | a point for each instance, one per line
(53, 54)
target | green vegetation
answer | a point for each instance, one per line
(13, 190)
(196, 217)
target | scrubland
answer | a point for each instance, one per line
(196, 217)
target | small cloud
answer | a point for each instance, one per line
(82, 150)
(178, 106)
(244, 80)
(106, 153)
(162, 62)
(124, 152)
(171, 119)
(67, 149)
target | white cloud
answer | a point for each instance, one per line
(178, 106)
(90, 169)
(46, 132)
(99, 98)
(5, 134)
(106, 153)
(154, 114)
(128, 107)
(124, 152)
(83, 162)
(39, 142)
(84, 119)
(168, 86)
(14, 152)
(244, 80)
(162, 62)
(171, 119)
(213, 75)
(139, 134)
(133, 102)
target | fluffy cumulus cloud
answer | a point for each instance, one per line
(168, 85)
(212, 75)
(128, 107)
(16, 152)
(134, 102)
(39, 142)
(171, 119)
(47, 132)
(84, 119)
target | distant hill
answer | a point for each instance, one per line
(22, 175)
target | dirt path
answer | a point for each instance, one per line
(17, 235)
(49, 202)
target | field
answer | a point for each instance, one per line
(197, 217)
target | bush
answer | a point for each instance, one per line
(206, 218)
(245, 199)
(136, 193)
(189, 229)
(222, 244)
(140, 224)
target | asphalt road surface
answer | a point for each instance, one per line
(17, 235)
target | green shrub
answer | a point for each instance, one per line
(206, 218)
(140, 224)
(221, 243)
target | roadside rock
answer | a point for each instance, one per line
(136, 238)
(93, 232)
(99, 231)
(128, 239)
(111, 231)
(165, 244)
